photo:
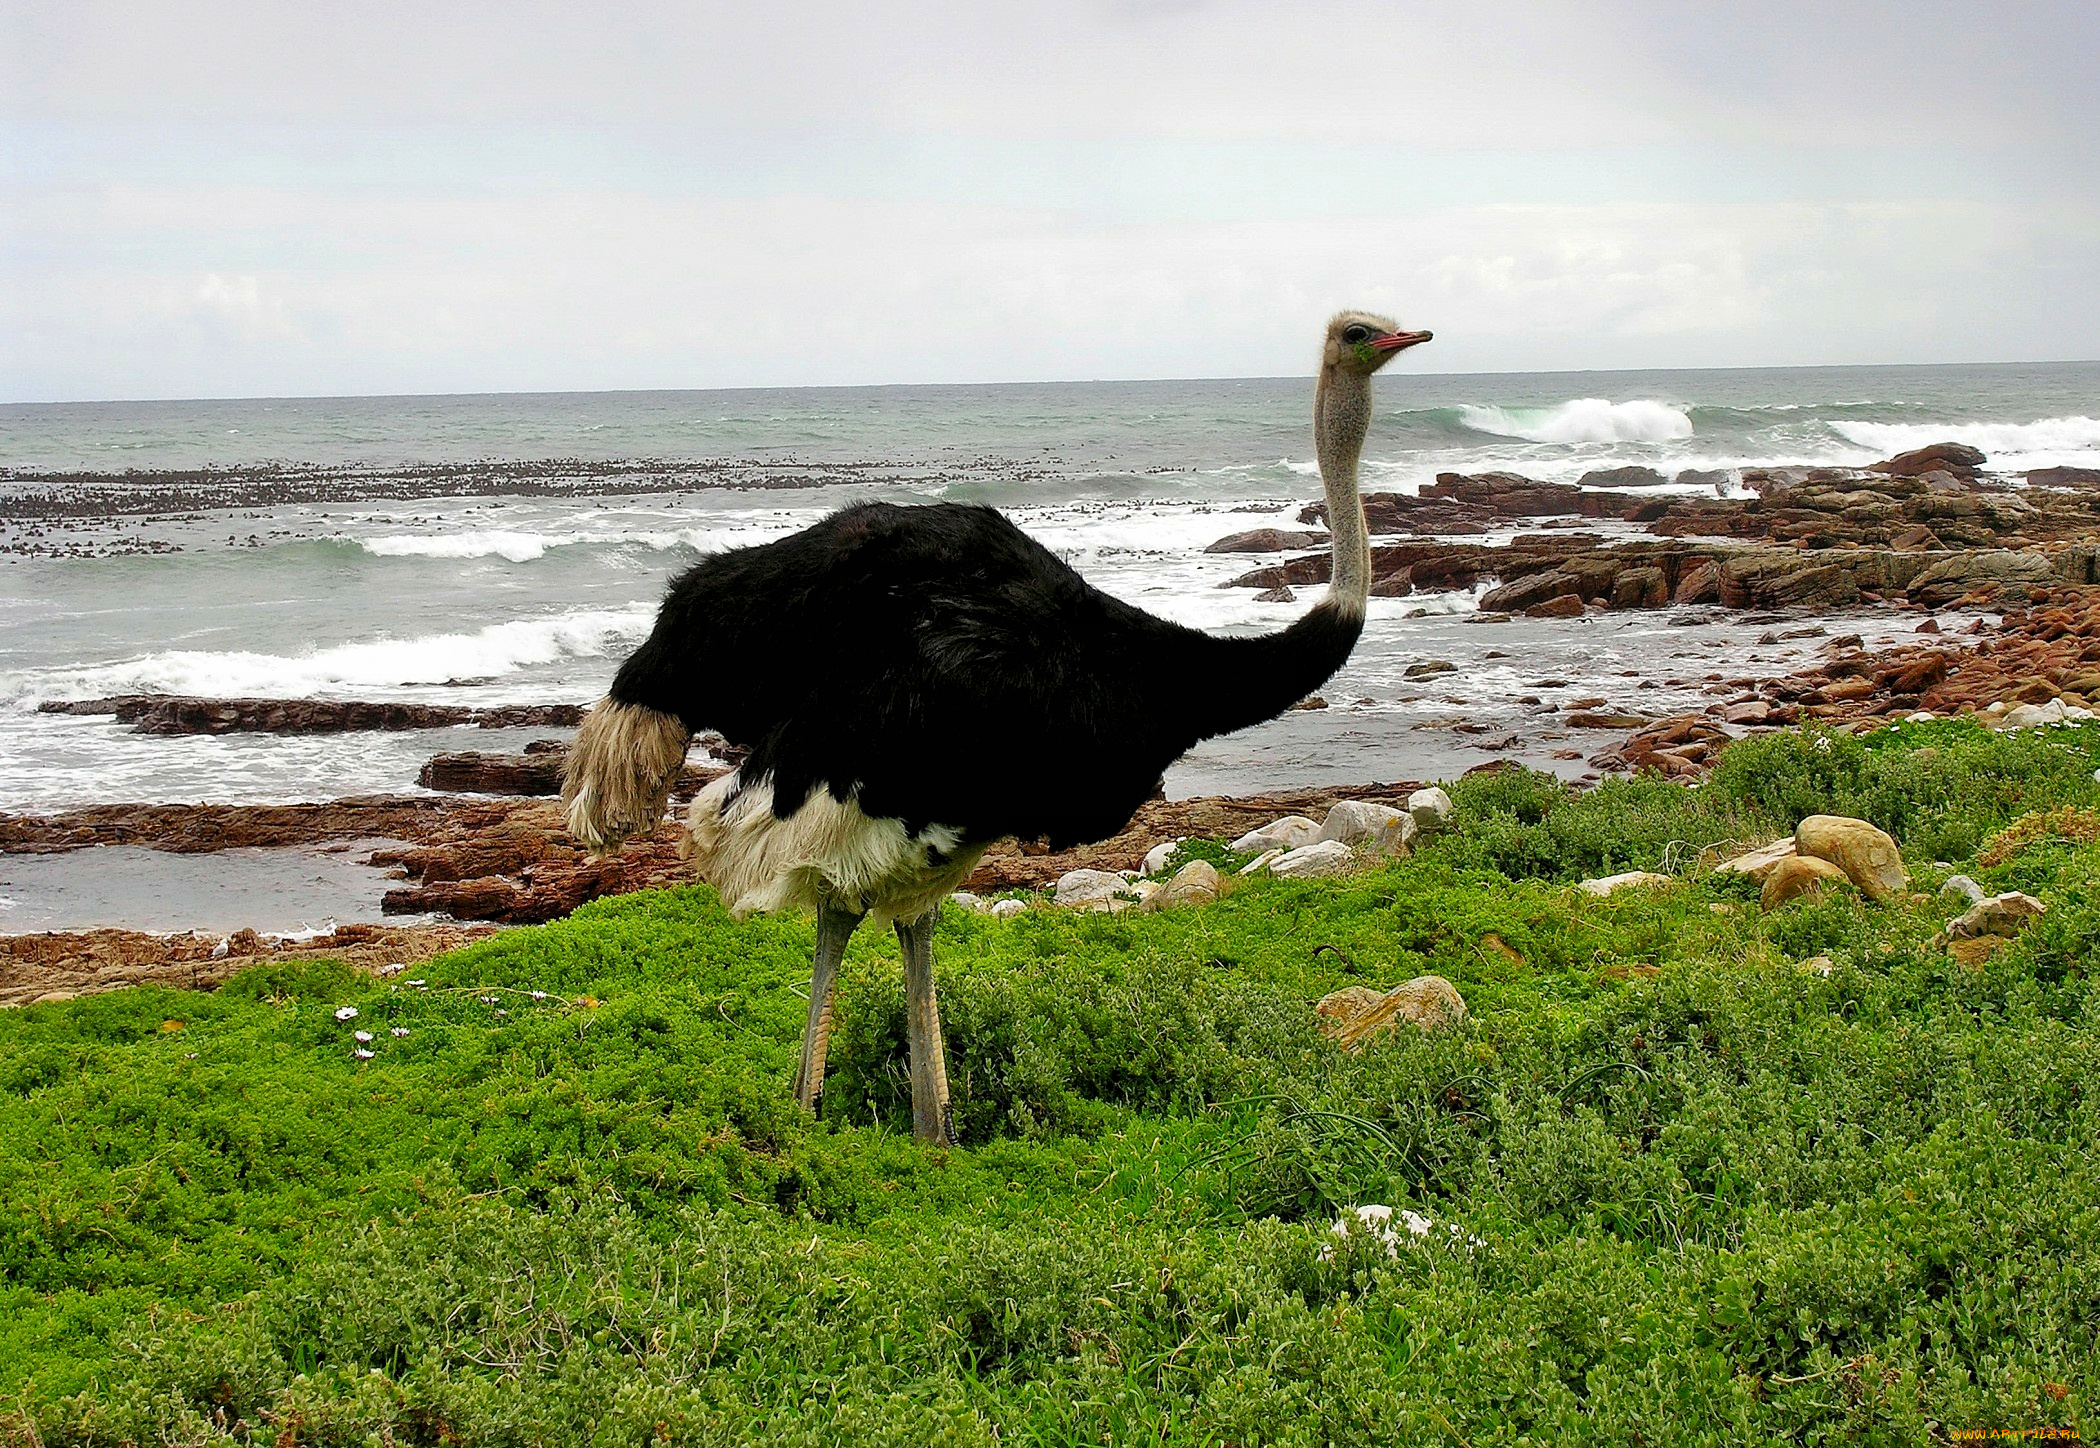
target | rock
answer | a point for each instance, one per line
(1962, 885)
(1640, 588)
(1429, 669)
(1795, 876)
(1564, 605)
(2001, 915)
(1947, 579)
(1006, 909)
(1279, 594)
(1285, 834)
(1313, 861)
(1431, 809)
(1953, 456)
(1522, 593)
(1758, 863)
(1631, 476)
(1262, 861)
(1867, 855)
(2036, 716)
(1698, 583)
(1632, 879)
(186, 714)
(471, 773)
(1971, 954)
(1356, 822)
(1195, 883)
(2063, 477)
(1428, 1002)
(1267, 540)
(1091, 890)
(1602, 719)
(967, 901)
(1157, 857)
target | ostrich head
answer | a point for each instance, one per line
(1363, 342)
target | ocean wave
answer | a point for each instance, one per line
(2049, 435)
(1584, 420)
(499, 649)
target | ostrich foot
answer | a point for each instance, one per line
(931, 1119)
(834, 929)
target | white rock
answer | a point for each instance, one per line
(1963, 885)
(1262, 861)
(1923, 716)
(1307, 862)
(2032, 716)
(1431, 809)
(1759, 862)
(1157, 857)
(1630, 880)
(1285, 834)
(1359, 822)
(968, 901)
(1006, 909)
(2005, 915)
(1089, 889)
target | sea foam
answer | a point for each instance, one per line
(2036, 444)
(374, 664)
(1584, 420)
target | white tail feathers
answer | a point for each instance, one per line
(619, 773)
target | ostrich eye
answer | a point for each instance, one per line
(1356, 334)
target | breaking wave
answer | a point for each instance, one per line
(1584, 420)
(2051, 436)
(499, 649)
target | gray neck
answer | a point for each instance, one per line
(1341, 418)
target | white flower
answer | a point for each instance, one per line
(362, 1054)
(420, 985)
(346, 1013)
(364, 1038)
(539, 995)
(401, 1030)
(489, 1000)
(385, 970)
(503, 1013)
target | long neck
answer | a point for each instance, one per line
(1341, 418)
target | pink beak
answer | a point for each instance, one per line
(1398, 340)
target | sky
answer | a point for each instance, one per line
(263, 199)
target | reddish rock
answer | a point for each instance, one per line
(1266, 540)
(1940, 456)
(1564, 605)
(183, 714)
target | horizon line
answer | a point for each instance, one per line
(1041, 382)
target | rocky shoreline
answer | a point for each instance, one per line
(1917, 533)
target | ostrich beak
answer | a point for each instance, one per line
(1399, 340)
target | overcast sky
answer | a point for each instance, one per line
(270, 198)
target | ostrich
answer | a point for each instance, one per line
(913, 683)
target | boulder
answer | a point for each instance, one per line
(1867, 855)
(468, 772)
(1092, 890)
(1564, 605)
(1963, 886)
(1758, 863)
(1632, 879)
(1267, 540)
(1353, 1016)
(1285, 834)
(1939, 456)
(1700, 582)
(1795, 876)
(1429, 669)
(1157, 857)
(1262, 861)
(2001, 915)
(1006, 909)
(1630, 476)
(1313, 861)
(1358, 822)
(1431, 809)
(1640, 588)
(1195, 883)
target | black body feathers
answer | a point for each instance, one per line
(947, 669)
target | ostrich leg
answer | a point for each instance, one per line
(834, 929)
(930, 1119)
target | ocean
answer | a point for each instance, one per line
(512, 548)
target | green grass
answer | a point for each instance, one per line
(1701, 1193)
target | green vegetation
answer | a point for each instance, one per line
(1685, 1189)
